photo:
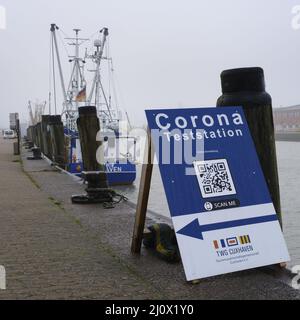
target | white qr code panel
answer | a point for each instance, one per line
(214, 178)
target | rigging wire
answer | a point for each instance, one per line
(108, 72)
(63, 43)
(62, 31)
(104, 96)
(112, 75)
(114, 87)
(90, 37)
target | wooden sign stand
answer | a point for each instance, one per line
(143, 197)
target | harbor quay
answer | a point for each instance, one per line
(52, 248)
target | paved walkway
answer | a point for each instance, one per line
(46, 253)
(52, 249)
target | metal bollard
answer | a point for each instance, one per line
(16, 148)
(36, 154)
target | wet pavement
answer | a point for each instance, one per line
(52, 248)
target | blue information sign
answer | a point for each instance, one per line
(217, 195)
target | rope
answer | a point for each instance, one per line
(112, 204)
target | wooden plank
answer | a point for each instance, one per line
(142, 204)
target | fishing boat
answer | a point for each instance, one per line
(118, 148)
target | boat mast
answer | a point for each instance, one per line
(53, 28)
(77, 63)
(97, 85)
(77, 74)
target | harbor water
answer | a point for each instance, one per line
(288, 157)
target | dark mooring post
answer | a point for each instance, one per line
(16, 145)
(29, 144)
(28, 134)
(18, 130)
(246, 87)
(46, 136)
(39, 136)
(34, 135)
(57, 137)
(93, 172)
(88, 127)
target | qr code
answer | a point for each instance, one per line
(214, 178)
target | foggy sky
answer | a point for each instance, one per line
(166, 53)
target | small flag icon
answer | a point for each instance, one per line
(244, 239)
(232, 241)
(216, 245)
(81, 96)
(223, 243)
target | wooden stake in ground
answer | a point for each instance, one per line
(144, 190)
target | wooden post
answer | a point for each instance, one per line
(45, 136)
(18, 130)
(39, 136)
(246, 87)
(57, 140)
(88, 126)
(260, 123)
(94, 173)
(30, 133)
(144, 190)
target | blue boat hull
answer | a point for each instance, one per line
(117, 173)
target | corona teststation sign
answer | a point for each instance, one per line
(219, 202)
